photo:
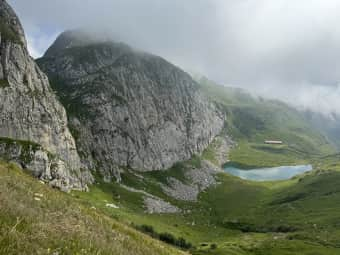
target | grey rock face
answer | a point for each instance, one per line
(222, 146)
(199, 179)
(29, 110)
(154, 204)
(42, 164)
(129, 108)
(180, 190)
(157, 205)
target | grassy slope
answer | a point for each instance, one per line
(297, 216)
(240, 217)
(252, 121)
(66, 223)
(58, 223)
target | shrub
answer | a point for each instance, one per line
(168, 238)
(165, 237)
(213, 246)
(181, 242)
(7, 33)
(147, 229)
(4, 83)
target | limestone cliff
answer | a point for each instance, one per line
(126, 107)
(30, 111)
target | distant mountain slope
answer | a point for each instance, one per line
(252, 120)
(327, 125)
(128, 108)
(33, 124)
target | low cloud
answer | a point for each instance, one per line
(283, 49)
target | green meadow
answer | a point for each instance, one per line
(237, 217)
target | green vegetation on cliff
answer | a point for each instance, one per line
(7, 33)
(4, 83)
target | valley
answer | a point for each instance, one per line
(105, 149)
(236, 216)
(239, 216)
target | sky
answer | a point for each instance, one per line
(285, 49)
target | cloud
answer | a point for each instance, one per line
(38, 43)
(274, 47)
(317, 98)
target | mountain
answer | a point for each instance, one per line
(128, 108)
(33, 124)
(252, 120)
(123, 114)
(329, 125)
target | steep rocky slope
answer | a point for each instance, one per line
(128, 108)
(33, 124)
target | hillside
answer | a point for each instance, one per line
(251, 121)
(35, 219)
(236, 216)
(138, 147)
(327, 125)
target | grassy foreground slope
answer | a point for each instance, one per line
(237, 217)
(297, 216)
(252, 120)
(35, 219)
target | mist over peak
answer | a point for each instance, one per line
(78, 38)
(285, 50)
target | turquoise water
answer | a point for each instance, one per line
(268, 174)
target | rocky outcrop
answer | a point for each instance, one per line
(43, 165)
(156, 205)
(128, 108)
(153, 204)
(221, 147)
(30, 111)
(198, 179)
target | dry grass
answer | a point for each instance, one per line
(57, 224)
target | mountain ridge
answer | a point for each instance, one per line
(140, 101)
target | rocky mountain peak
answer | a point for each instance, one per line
(126, 108)
(10, 26)
(130, 108)
(80, 38)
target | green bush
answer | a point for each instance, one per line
(4, 83)
(181, 242)
(147, 230)
(213, 246)
(168, 238)
(165, 237)
(8, 34)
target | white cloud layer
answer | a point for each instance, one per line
(284, 49)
